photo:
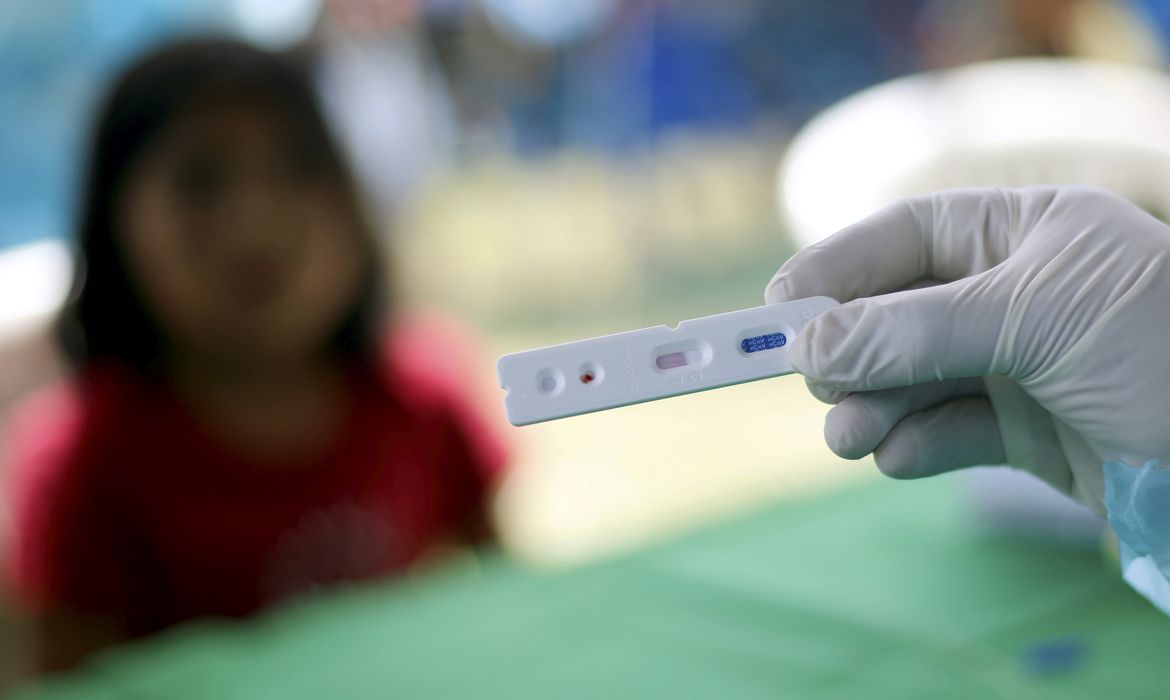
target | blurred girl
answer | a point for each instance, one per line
(240, 429)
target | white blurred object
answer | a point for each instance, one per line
(1013, 122)
(275, 23)
(1015, 503)
(34, 281)
(390, 108)
(548, 23)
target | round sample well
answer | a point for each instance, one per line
(590, 373)
(550, 381)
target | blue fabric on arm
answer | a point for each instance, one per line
(1138, 501)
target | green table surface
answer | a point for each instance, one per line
(879, 591)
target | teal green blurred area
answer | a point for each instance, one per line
(882, 590)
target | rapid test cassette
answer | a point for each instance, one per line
(653, 363)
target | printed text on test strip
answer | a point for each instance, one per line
(653, 363)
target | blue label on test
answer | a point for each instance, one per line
(764, 342)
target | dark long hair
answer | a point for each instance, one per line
(105, 319)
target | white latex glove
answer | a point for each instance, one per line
(1044, 342)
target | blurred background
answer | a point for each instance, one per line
(549, 170)
(545, 172)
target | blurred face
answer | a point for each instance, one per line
(241, 246)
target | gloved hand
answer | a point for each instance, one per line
(1044, 342)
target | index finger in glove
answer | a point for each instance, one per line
(945, 236)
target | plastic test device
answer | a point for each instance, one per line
(653, 363)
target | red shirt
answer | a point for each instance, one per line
(125, 508)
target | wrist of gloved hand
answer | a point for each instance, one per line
(1036, 442)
